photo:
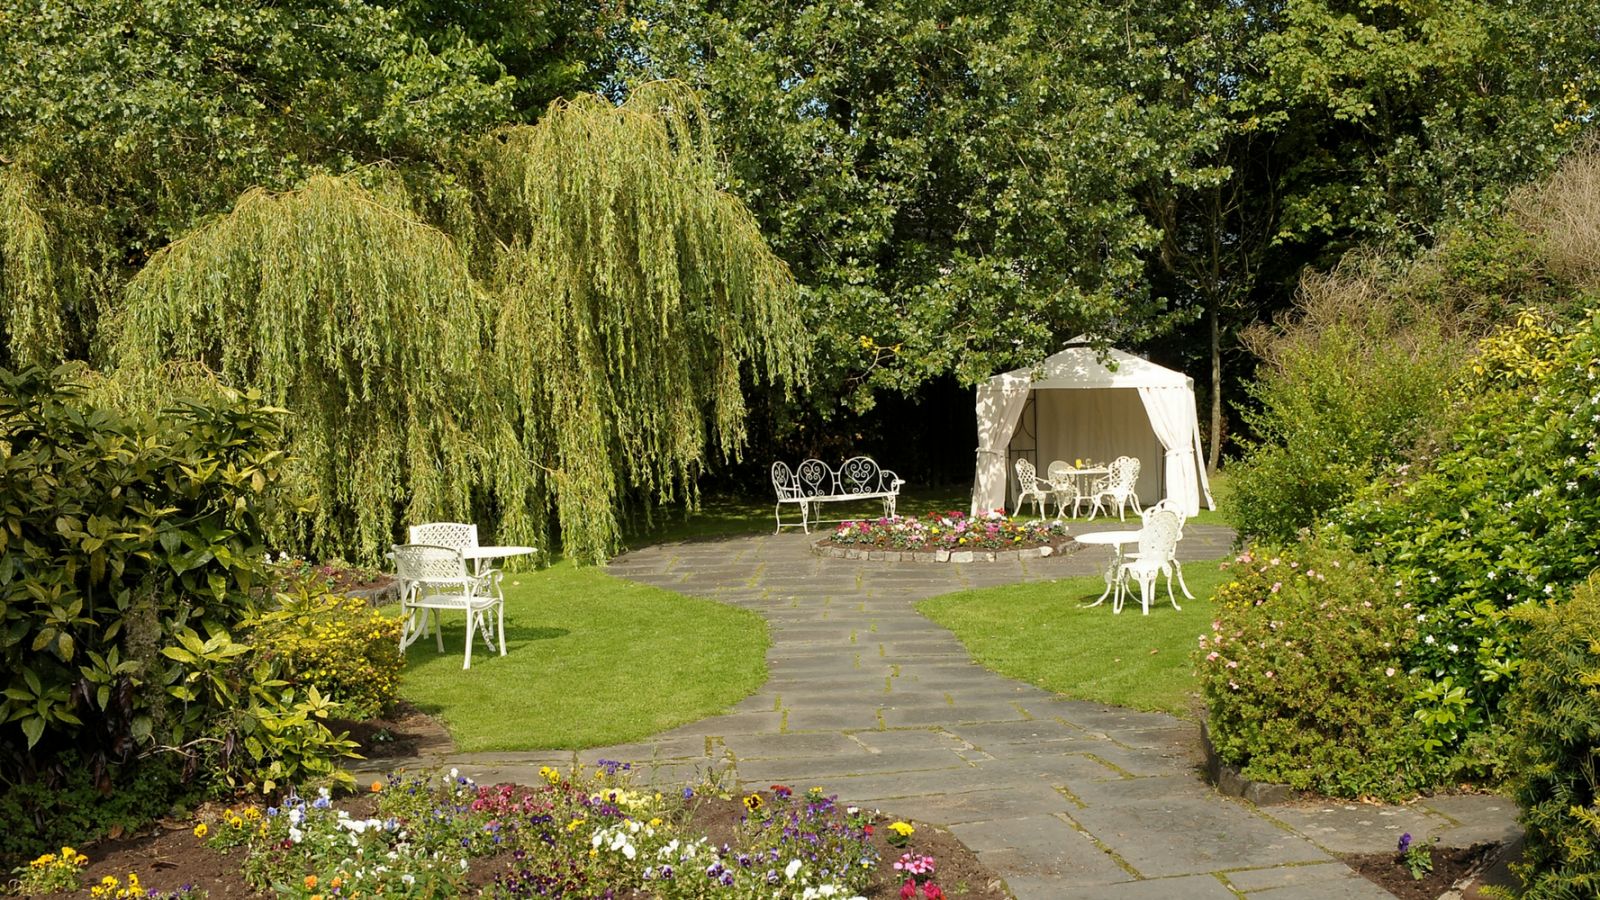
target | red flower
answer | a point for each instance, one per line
(781, 791)
(869, 831)
(931, 892)
(908, 891)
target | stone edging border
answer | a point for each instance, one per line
(1059, 548)
(1229, 783)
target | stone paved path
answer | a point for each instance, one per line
(1064, 799)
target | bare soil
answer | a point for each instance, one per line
(1450, 865)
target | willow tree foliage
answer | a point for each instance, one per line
(635, 296)
(597, 356)
(364, 322)
(30, 320)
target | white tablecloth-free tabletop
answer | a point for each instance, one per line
(482, 556)
(1115, 540)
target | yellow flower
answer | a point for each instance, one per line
(902, 829)
(573, 825)
(549, 774)
(311, 882)
(655, 822)
(752, 802)
(43, 861)
(200, 831)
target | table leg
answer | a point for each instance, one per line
(1111, 574)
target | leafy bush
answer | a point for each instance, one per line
(66, 806)
(1509, 513)
(347, 649)
(1304, 675)
(949, 531)
(1555, 713)
(1344, 389)
(121, 542)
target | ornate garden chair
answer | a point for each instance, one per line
(434, 579)
(1029, 487)
(1157, 554)
(1117, 487)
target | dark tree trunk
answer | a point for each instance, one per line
(1214, 455)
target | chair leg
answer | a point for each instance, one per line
(1185, 587)
(777, 513)
(1170, 598)
(438, 629)
(466, 662)
(1147, 586)
(500, 610)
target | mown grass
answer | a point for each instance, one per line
(1042, 634)
(590, 660)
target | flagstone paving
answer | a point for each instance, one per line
(1062, 798)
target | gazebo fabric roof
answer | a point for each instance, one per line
(1081, 367)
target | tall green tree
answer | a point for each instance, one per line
(596, 356)
(135, 121)
(955, 185)
(1357, 123)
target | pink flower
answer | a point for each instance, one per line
(1211, 657)
(1276, 586)
(1269, 673)
(1389, 671)
(908, 891)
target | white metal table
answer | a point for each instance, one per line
(1116, 540)
(1076, 485)
(481, 556)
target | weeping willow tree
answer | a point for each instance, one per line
(636, 295)
(339, 305)
(30, 313)
(621, 303)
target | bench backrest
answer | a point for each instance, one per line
(816, 479)
(785, 482)
(862, 475)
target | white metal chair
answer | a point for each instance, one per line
(1165, 504)
(434, 579)
(459, 535)
(1029, 487)
(1157, 554)
(1064, 483)
(1119, 487)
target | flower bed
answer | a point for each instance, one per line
(586, 833)
(945, 537)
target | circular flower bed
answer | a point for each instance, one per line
(945, 537)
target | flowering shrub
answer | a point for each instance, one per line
(578, 834)
(347, 649)
(951, 530)
(1305, 677)
(1508, 514)
(51, 872)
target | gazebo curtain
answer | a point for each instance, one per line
(1000, 405)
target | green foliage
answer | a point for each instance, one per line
(1555, 715)
(349, 651)
(601, 356)
(120, 543)
(958, 183)
(378, 354)
(1305, 675)
(30, 322)
(68, 807)
(1506, 514)
(636, 299)
(1347, 388)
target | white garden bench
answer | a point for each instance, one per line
(813, 483)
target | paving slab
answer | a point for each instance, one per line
(1183, 836)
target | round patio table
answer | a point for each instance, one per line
(1116, 540)
(480, 556)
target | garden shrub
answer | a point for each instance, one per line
(1347, 387)
(130, 552)
(1507, 514)
(1555, 715)
(1304, 674)
(347, 649)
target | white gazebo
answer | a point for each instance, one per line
(1074, 406)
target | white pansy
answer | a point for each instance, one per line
(791, 868)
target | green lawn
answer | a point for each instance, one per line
(1039, 633)
(590, 660)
